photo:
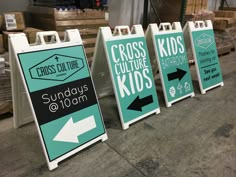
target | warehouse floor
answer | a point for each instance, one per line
(194, 138)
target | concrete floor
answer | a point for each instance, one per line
(194, 138)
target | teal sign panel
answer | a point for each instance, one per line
(63, 98)
(132, 75)
(207, 58)
(173, 64)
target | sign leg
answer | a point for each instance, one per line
(52, 165)
(104, 137)
(125, 126)
(158, 111)
(168, 105)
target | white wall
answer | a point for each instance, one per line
(214, 4)
(232, 3)
(125, 12)
(13, 5)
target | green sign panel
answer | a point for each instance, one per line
(207, 58)
(63, 98)
(173, 65)
(132, 76)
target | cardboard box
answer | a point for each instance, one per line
(31, 34)
(13, 21)
(5, 38)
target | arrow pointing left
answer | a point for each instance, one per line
(70, 131)
(137, 104)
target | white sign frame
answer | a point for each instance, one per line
(21, 108)
(18, 43)
(190, 27)
(101, 70)
(167, 28)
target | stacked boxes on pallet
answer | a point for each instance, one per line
(12, 23)
(87, 21)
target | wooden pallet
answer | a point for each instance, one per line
(5, 93)
(232, 32)
(230, 8)
(225, 48)
(224, 19)
(5, 107)
(225, 41)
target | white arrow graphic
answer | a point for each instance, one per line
(70, 131)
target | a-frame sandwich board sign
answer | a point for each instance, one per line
(60, 91)
(121, 61)
(168, 44)
(200, 35)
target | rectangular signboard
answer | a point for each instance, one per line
(172, 61)
(63, 99)
(131, 74)
(205, 55)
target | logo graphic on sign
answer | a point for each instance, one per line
(56, 67)
(172, 91)
(132, 75)
(63, 98)
(187, 86)
(180, 87)
(204, 41)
